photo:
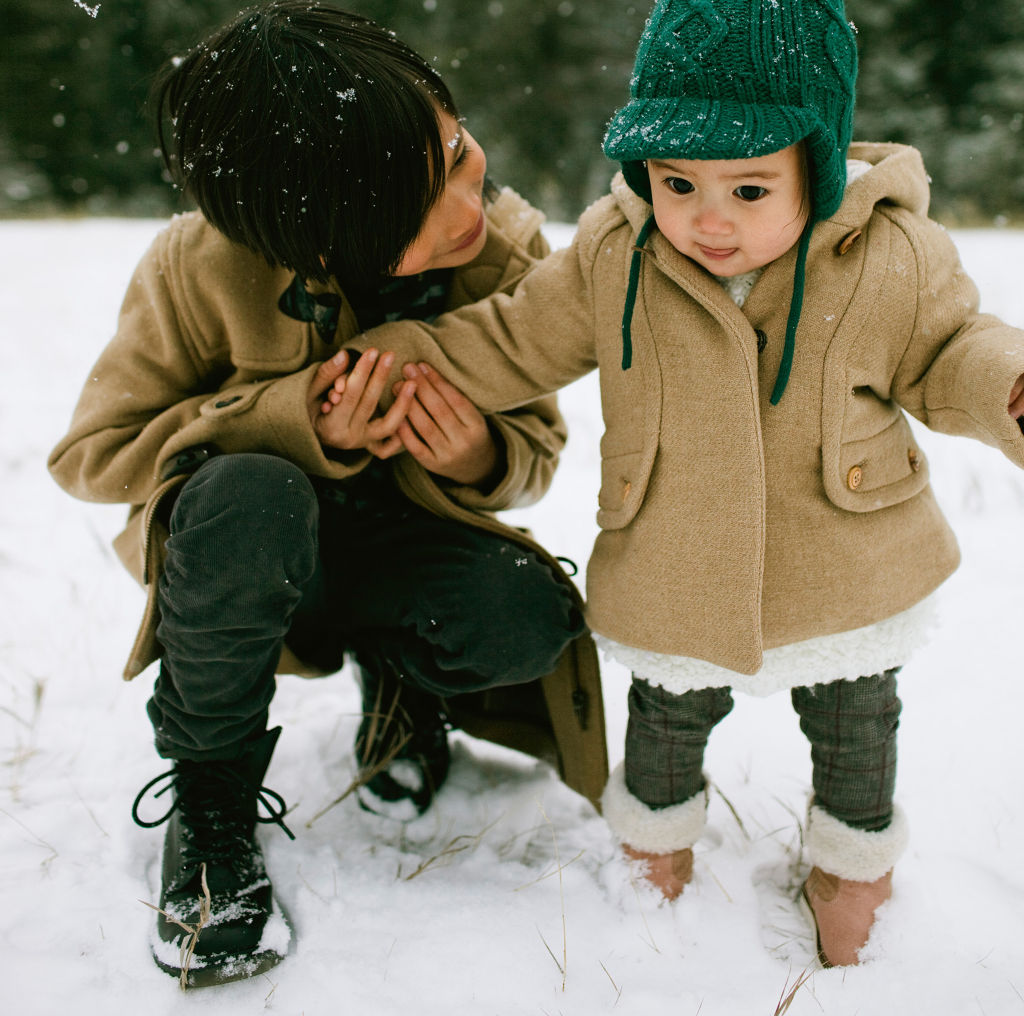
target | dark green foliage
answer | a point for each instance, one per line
(948, 77)
(537, 80)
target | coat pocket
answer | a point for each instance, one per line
(623, 485)
(871, 459)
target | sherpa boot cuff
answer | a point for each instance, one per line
(854, 854)
(655, 830)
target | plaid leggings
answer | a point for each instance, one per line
(851, 726)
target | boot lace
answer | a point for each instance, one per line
(213, 795)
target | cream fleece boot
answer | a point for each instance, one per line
(659, 839)
(850, 879)
(842, 913)
(669, 873)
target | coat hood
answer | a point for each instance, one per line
(897, 177)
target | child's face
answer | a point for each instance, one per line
(731, 215)
(455, 229)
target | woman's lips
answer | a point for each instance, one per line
(473, 235)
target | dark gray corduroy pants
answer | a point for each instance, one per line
(851, 726)
(258, 552)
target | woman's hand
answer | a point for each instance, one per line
(445, 432)
(343, 407)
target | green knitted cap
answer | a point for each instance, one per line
(735, 79)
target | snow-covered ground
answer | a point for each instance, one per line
(508, 896)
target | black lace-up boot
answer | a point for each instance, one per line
(402, 742)
(213, 877)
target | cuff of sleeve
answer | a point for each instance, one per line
(509, 492)
(289, 432)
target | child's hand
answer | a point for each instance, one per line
(1016, 407)
(343, 408)
(445, 432)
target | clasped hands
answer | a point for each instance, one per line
(430, 418)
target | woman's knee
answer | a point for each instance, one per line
(246, 511)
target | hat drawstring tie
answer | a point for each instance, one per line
(795, 306)
(634, 282)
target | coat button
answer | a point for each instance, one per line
(855, 477)
(914, 459)
(848, 241)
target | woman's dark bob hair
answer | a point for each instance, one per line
(309, 135)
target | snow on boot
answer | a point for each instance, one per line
(401, 745)
(218, 918)
(669, 873)
(842, 913)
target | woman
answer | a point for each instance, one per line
(337, 189)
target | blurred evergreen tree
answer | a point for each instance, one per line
(947, 76)
(536, 79)
(74, 135)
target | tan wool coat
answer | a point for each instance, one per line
(204, 361)
(729, 526)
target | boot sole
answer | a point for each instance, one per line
(222, 969)
(207, 971)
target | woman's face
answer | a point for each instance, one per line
(455, 229)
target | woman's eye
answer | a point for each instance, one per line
(679, 185)
(748, 192)
(463, 155)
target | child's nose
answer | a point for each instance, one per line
(711, 219)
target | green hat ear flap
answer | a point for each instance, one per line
(636, 175)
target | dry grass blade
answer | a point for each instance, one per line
(456, 845)
(735, 814)
(618, 990)
(188, 944)
(561, 896)
(556, 871)
(379, 721)
(561, 969)
(786, 997)
(39, 840)
(649, 941)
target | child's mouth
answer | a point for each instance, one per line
(717, 254)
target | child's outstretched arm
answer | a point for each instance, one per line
(507, 350)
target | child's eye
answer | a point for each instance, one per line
(463, 155)
(750, 192)
(679, 185)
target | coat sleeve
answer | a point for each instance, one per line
(167, 383)
(959, 366)
(533, 436)
(507, 350)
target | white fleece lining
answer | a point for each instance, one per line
(844, 656)
(656, 830)
(854, 854)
